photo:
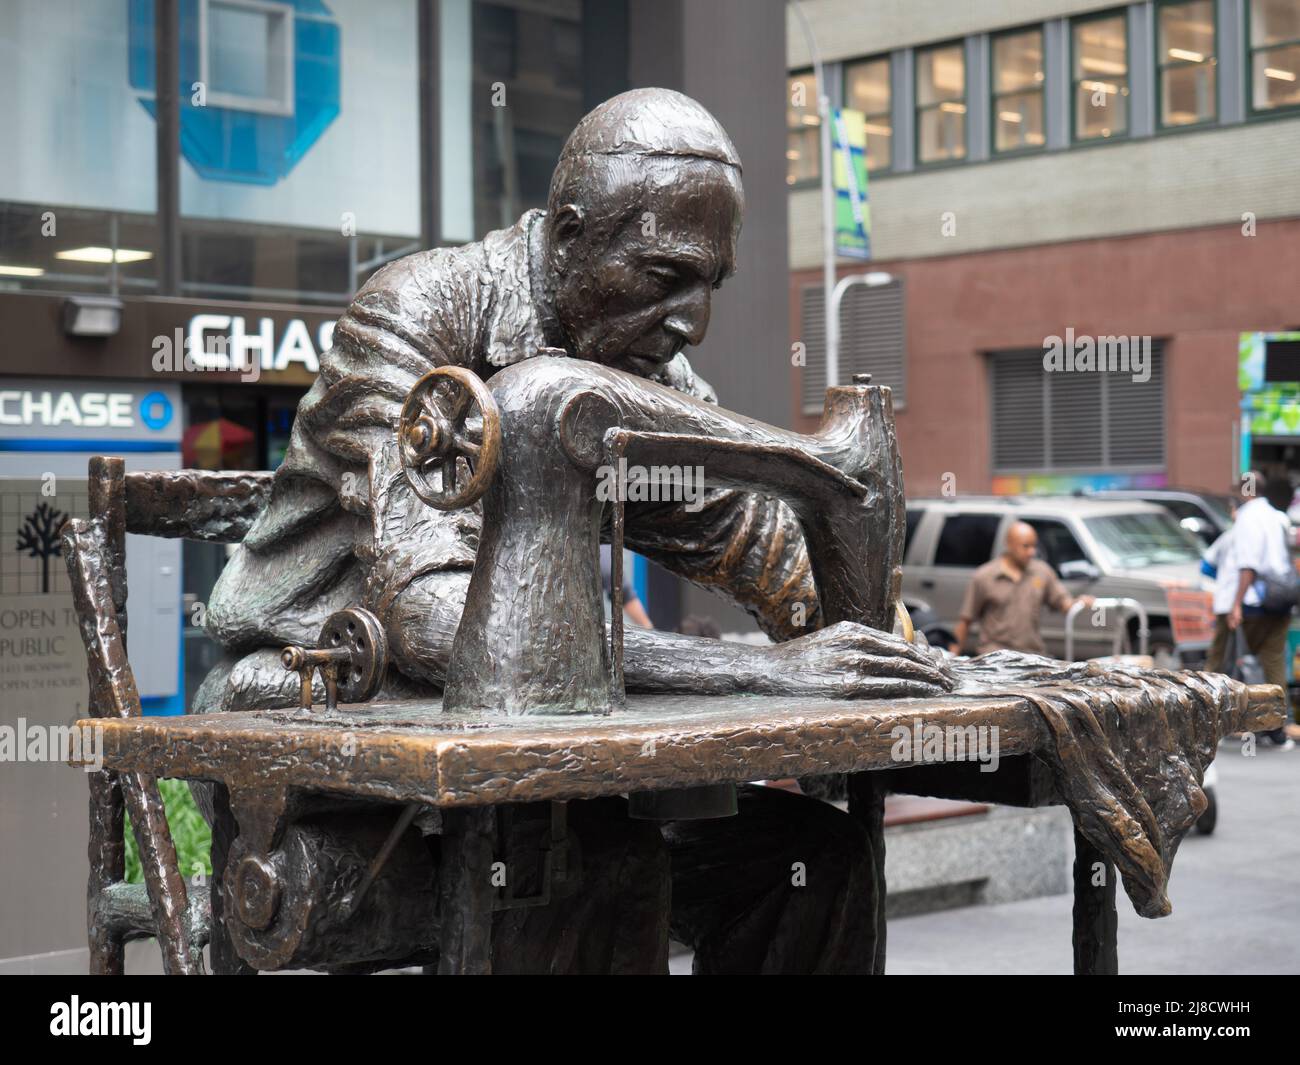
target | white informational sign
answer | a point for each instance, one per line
(43, 690)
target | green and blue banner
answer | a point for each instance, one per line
(849, 173)
(1269, 408)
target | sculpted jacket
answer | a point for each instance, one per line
(343, 527)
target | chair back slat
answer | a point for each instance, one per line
(214, 506)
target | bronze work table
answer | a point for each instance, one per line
(465, 765)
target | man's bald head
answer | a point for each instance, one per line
(643, 217)
(651, 122)
(627, 134)
(1021, 544)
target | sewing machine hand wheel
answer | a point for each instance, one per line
(438, 430)
(351, 654)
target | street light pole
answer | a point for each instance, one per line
(873, 279)
(828, 202)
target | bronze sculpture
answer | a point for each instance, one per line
(588, 278)
(515, 370)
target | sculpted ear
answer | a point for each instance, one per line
(567, 223)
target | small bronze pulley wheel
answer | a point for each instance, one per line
(351, 654)
(449, 418)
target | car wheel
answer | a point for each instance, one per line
(1205, 823)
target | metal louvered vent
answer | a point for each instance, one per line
(813, 337)
(871, 340)
(1075, 405)
(1019, 391)
(1136, 411)
(1080, 420)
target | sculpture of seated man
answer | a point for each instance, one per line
(641, 227)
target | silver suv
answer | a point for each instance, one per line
(1099, 548)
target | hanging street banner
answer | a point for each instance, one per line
(849, 170)
(1270, 385)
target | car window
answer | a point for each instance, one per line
(913, 520)
(1056, 543)
(967, 539)
(1131, 541)
(1181, 508)
(1220, 507)
(1207, 528)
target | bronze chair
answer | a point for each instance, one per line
(216, 507)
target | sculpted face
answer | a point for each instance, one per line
(634, 270)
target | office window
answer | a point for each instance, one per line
(1185, 56)
(803, 129)
(1274, 54)
(866, 89)
(1100, 77)
(941, 103)
(1018, 91)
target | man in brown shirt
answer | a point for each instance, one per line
(1007, 595)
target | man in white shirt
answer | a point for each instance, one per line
(1219, 566)
(1259, 549)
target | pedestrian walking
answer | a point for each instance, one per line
(1006, 597)
(1262, 560)
(1218, 565)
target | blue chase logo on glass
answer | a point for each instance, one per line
(259, 82)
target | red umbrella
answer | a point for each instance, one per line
(217, 445)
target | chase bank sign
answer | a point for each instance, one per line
(259, 82)
(36, 409)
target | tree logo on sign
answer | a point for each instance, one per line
(39, 538)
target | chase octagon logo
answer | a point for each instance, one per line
(156, 411)
(259, 82)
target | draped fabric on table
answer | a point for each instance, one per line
(1128, 748)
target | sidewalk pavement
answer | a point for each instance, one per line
(1233, 892)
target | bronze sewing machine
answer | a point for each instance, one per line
(319, 852)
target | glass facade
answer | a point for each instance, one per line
(300, 135)
(941, 104)
(1018, 91)
(1185, 56)
(1100, 77)
(527, 97)
(281, 195)
(77, 181)
(867, 89)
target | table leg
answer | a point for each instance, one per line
(1095, 921)
(465, 891)
(867, 805)
(107, 867)
(225, 961)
